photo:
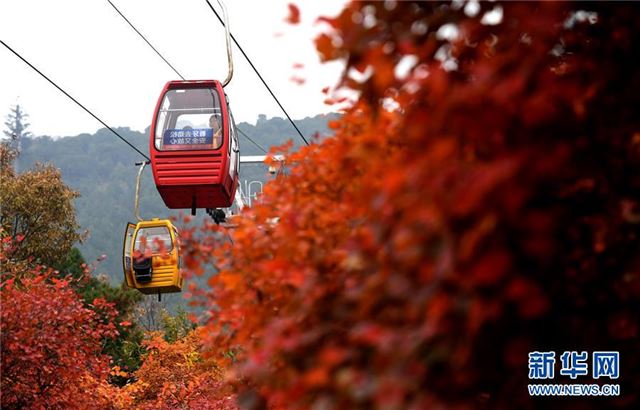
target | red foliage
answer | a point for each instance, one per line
(174, 375)
(51, 345)
(459, 219)
(294, 14)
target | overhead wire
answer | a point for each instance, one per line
(259, 76)
(74, 100)
(145, 39)
(254, 143)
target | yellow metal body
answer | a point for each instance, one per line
(166, 275)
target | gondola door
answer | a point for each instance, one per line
(126, 254)
(234, 154)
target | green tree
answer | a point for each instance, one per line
(176, 326)
(73, 264)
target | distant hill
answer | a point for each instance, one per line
(101, 168)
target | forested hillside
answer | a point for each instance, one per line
(102, 169)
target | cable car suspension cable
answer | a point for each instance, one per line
(145, 39)
(74, 100)
(259, 76)
(254, 143)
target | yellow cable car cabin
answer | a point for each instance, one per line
(151, 257)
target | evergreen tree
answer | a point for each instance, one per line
(17, 127)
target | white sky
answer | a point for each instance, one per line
(92, 53)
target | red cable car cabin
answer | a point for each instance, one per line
(194, 146)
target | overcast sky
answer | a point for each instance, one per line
(91, 52)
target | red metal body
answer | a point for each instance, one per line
(196, 178)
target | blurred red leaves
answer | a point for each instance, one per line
(460, 218)
(294, 14)
(325, 47)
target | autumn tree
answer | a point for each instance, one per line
(37, 207)
(176, 375)
(7, 158)
(478, 202)
(52, 344)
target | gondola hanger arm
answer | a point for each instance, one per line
(137, 199)
(228, 39)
